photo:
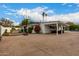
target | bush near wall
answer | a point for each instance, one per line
(37, 29)
(30, 29)
(21, 31)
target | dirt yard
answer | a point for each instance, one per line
(41, 45)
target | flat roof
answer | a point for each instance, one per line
(50, 22)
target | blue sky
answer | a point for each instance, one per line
(12, 10)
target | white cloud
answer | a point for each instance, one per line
(22, 11)
(7, 8)
(10, 19)
(64, 4)
(70, 5)
(35, 15)
(8, 13)
(14, 22)
(71, 17)
(45, 7)
(12, 10)
(39, 9)
(50, 11)
(77, 4)
(4, 6)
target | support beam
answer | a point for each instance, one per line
(61, 29)
(0, 33)
(57, 28)
(42, 25)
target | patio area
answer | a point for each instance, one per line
(41, 45)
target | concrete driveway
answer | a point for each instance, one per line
(41, 45)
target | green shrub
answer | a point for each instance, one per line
(21, 30)
(30, 29)
(74, 27)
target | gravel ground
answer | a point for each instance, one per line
(66, 44)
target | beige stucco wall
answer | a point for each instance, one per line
(8, 29)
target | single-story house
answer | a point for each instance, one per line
(49, 27)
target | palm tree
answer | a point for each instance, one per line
(44, 14)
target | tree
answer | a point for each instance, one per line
(25, 22)
(69, 23)
(73, 26)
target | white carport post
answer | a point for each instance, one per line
(42, 25)
(0, 33)
(61, 28)
(57, 28)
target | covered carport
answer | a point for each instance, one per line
(53, 26)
